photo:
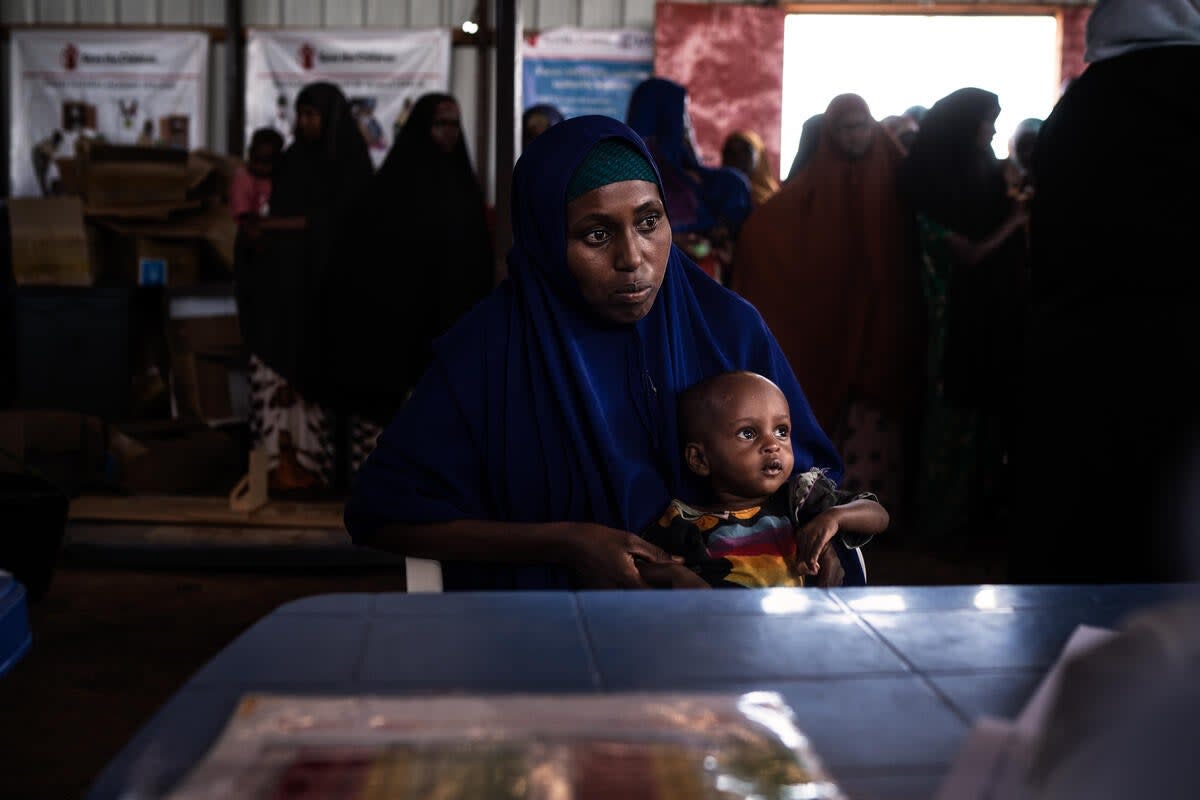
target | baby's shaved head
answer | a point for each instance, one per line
(701, 403)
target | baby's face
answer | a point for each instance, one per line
(749, 446)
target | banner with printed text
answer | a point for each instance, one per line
(126, 87)
(382, 73)
(584, 71)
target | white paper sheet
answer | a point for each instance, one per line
(994, 760)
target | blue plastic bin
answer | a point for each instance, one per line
(15, 637)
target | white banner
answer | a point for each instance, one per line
(122, 86)
(382, 73)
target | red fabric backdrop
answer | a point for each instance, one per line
(730, 58)
(1074, 42)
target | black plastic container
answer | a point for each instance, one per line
(33, 519)
(73, 349)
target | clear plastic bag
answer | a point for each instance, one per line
(532, 747)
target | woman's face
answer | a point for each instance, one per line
(535, 126)
(987, 131)
(308, 123)
(739, 154)
(618, 243)
(262, 160)
(852, 133)
(446, 126)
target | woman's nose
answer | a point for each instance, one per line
(629, 253)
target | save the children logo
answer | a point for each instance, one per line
(308, 56)
(72, 58)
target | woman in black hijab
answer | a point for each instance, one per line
(423, 258)
(430, 188)
(974, 262)
(286, 263)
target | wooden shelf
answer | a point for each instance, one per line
(182, 510)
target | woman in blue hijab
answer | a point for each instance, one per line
(545, 429)
(707, 205)
(536, 120)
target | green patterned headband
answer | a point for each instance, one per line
(610, 161)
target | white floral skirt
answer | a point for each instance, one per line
(298, 435)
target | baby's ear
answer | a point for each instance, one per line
(697, 461)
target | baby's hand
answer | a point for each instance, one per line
(813, 538)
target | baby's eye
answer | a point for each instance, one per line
(782, 431)
(746, 434)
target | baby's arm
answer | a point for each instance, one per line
(861, 516)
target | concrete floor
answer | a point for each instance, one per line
(111, 643)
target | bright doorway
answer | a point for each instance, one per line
(895, 61)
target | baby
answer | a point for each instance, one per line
(764, 527)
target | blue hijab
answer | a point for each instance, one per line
(535, 411)
(700, 198)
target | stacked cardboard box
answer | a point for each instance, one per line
(80, 453)
(50, 246)
(142, 216)
(209, 369)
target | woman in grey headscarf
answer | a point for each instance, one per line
(1018, 167)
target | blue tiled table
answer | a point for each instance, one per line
(885, 680)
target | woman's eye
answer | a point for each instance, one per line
(746, 434)
(596, 236)
(782, 432)
(651, 222)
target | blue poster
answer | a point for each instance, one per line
(582, 71)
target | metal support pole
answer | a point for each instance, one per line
(483, 91)
(508, 103)
(235, 79)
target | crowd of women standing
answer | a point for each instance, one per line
(343, 287)
(893, 275)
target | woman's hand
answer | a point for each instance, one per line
(604, 558)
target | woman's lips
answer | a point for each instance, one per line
(634, 293)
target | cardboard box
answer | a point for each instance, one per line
(206, 359)
(177, 457)
(121, 176)
(68, 176)
(217, 336)
(68, 449)
(126, 256)
(179, 258)
(195, 247)
(79, 453)
(49, 243)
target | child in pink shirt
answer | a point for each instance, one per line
(250, 189)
